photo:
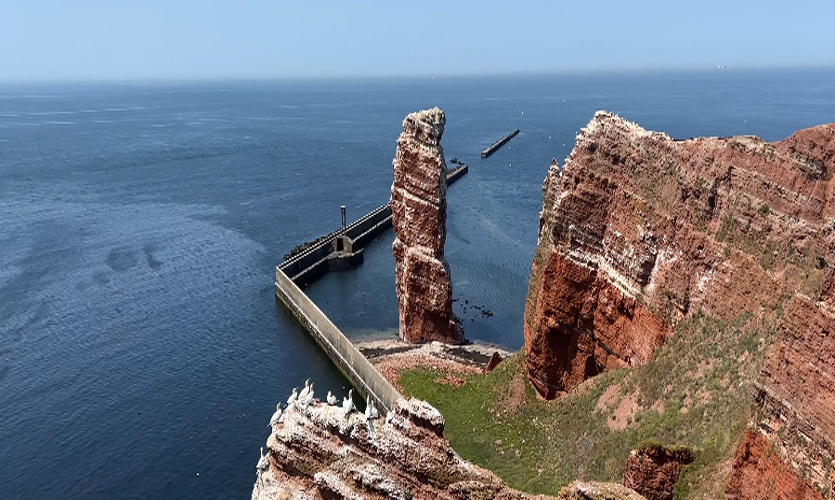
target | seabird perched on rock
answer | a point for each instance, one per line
(292, 397)
(368, 410)
(276, 416)
(303, 395)
(374, 413)
(389, 416)
(309, 399)
(348, 403)
(331, 399)
(262, 462)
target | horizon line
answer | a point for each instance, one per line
(414, 76)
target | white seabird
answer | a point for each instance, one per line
(348, 403)
(389, 416)
(368, 410)
(331, 399)
(276, 416)
(374, 413)
(305, 391)
(292, 397)
(309, 399)
(262, 462)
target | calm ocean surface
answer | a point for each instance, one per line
(141, 349)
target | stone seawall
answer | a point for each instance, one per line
(352, 363)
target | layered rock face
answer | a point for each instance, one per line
(639, 231)
(317, 453)
(418, 210)
(759, 473)
(654, 471)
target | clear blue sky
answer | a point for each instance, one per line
(191, 39)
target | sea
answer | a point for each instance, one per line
(142, 351)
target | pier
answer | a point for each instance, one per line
(343, 248)
(368, 381)
(501, 142)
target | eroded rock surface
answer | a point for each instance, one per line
(581, 490)
(760, 474)
(653, 471)
(418, 208)
(317, 453)
(639, 231)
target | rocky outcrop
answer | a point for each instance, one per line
(418, 210)
(598, 491)
(759, 473)
(317, 453)
(653, 471)
(640, 231)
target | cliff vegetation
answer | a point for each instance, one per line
(696, 392)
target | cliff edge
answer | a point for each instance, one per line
(639, 231)
(317, 452)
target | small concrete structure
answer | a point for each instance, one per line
(342, 254)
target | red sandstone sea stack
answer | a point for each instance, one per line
(418, 208)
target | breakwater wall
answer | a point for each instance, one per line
(501, 142)
(322, 255)
(351, 362)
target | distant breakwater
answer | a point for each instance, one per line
(501, 142)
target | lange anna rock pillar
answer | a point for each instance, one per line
(418, 210)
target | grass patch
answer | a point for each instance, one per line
(695, 392)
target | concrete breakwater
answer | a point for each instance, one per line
(350, 361)
(343, 247)
(501, 142)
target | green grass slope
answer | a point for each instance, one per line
(695, 392)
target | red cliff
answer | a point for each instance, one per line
(418, 209)
(759, 473)
(640, 231)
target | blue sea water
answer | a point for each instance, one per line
(141, 348)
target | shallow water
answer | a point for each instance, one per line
(141, 349)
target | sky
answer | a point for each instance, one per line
(259, 39)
